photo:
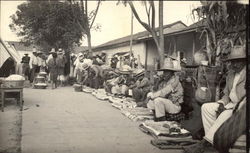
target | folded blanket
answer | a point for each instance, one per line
(165, 128)
(172, 144)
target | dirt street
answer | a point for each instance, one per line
(65, 121)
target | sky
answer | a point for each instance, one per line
(115, 20)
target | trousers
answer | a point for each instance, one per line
(163, 106)
(210, 123)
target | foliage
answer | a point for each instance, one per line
(47, 24)
(150, 24)
(85, 20)
(224, 22)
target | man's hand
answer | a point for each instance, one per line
(220, 109)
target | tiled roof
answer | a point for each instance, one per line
(142, 35)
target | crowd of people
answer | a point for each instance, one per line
(54, 64)
(162, 91)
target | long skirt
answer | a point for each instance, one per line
(53, 76)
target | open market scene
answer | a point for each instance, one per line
(80, 76)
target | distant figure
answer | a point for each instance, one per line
(53, 69)
(61, 60)
(33, 65)
(25, 66)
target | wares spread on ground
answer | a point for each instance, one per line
(164, 128)
(138, 113)
(77, 87)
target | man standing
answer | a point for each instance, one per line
(33, 64)
(25, 66)
(214, 114)
(169, 95)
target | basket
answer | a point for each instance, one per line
(78, 88)
(13, 83)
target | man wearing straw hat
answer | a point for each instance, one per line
(214, 114)
(169, 96)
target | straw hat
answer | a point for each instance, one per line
(53, 50)
(34, 50)
(237, 52)
(168, 65)
(140, 74)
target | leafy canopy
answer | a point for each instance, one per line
(47, 24)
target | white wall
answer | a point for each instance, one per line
(138, 49)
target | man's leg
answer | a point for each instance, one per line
(209, 135)
(163, 105)
(208, 113)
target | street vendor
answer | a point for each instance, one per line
(142, 87)
(169, 95)
(25, 66)
(214, 114)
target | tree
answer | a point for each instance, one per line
(225, 24)
(86, 20)
(47, 24)
(150, 25)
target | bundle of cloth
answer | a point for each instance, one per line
(137, 113)
(121, 103)
(163, 128)
(100, 94)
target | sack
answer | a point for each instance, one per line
(203, 95)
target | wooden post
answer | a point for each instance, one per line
(131, 37)
(193, 47)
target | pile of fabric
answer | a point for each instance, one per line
(87, 89)
(121, 103)
(164, 128)
(100, 94)
(138, 113)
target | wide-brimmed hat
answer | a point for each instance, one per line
(34, 50)
(139, 74)
(168, 65)
(53, 50)
(237, 52)
(39, 52)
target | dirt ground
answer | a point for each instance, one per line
(10, 128)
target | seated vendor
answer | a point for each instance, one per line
(121, 87)
(142, 87)
(169, 95)
(214, 114)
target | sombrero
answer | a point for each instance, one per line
(168, 65)
(237, 52)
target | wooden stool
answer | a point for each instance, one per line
(9, 90)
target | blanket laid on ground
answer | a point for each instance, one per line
(176, 143)
(138, 113)
(122, 103)
(87, 89)
(164, 128)
(100, 94)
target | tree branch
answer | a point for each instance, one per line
(96, 10)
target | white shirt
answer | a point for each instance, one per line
(33, 61)
(233, 95)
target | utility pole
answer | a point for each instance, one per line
(131, 38)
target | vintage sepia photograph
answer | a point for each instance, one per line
(124, 76)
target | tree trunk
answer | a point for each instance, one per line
(89, 43)
(161, 35)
